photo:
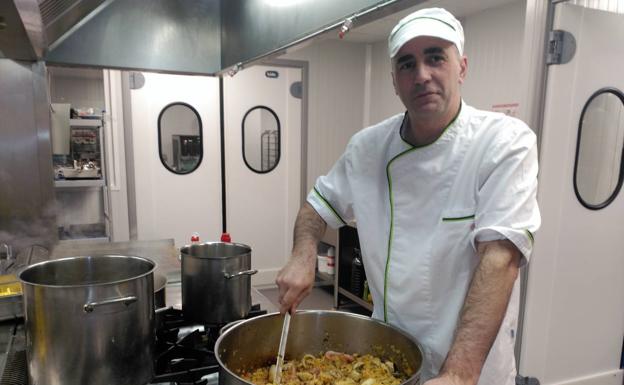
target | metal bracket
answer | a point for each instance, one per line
(520, 380)
(561, 47)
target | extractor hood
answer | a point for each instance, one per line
(27, 27)
(177, 36)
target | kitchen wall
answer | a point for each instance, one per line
(335, 100)
(494, 50)
(616, 6)
(383, 101)
(336, 87)
(82, 88)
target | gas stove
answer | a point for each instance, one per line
(184, 352)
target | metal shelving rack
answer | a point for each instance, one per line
(90, 184)
(268, 149)
(347, 243)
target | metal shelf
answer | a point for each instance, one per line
(323, 279)
(79, 183)
(85, 122)
(366, 305)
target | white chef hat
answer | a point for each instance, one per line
(435, 22)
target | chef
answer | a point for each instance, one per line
(444, 200)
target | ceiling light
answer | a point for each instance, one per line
(283, 3)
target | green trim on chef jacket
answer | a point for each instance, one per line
(329, 206)
(458, 219)
(530, 235)
(390, 236)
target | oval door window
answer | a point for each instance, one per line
(598, 169)
(261, 139)
(180, 143)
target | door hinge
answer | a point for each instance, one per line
(521, 380)
(561, 47)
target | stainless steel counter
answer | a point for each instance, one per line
(161, 251)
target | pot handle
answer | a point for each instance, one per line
(89, 307)
(246, 272)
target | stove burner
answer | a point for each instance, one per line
(185, 353)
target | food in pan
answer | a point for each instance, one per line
(330, 368)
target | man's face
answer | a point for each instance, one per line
(427, 73)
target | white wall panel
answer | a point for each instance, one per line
(616, 6)
(383, 102)
(335, 98)
(494, 40)
(80, 92)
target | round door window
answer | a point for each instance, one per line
(261, 139)
(180, 143)
(598, 169)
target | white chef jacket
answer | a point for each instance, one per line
(419, 211)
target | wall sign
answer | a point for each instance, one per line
(510, 109)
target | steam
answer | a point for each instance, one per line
(21, 226)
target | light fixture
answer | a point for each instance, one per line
(283, 3)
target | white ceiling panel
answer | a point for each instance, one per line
(379, 30)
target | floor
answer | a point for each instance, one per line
(321, 298)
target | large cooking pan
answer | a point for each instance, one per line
(253, 343)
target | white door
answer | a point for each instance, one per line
(169, 204)
(263, 184)
(574, 320)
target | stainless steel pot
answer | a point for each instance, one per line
(89, 320)
(160, 283)
(254, 342)
(216, 282)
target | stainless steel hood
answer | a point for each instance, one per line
(15, 41)
(178, 36)
(155, 35)
(27, 26)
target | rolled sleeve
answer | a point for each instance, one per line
(331, 196)
(507, 197)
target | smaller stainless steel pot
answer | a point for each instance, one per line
(216, 282)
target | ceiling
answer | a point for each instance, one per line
(379, 30)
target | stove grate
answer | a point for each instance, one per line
(15, 369)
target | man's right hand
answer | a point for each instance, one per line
(296, 279)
